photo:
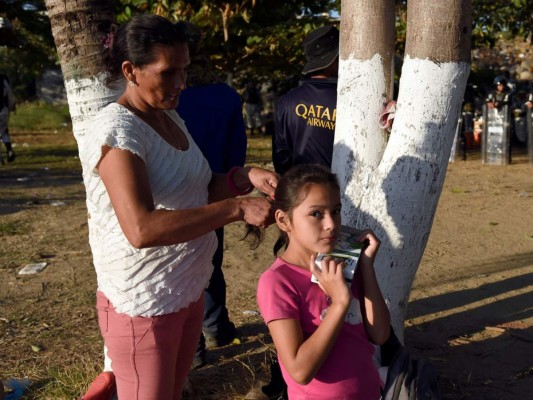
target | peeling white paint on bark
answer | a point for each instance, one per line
(359, 142)
(86, 96)
(404, 190)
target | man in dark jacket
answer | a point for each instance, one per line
(305, 121)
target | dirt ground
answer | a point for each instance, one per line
(470, 312)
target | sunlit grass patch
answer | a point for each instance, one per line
(40, 116)
(259, 149)
(51, 156)
(11, 228)
(66, 381)
(42, 137)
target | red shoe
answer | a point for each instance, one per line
(102, 388)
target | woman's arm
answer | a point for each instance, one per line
(126, 181)
(376, 314)
(303, 359)
(240, 181)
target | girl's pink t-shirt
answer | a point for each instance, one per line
(285, 291)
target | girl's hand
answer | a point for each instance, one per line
(370, 250)
(331, 281)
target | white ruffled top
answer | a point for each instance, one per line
(157, 280)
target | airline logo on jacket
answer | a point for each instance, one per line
(317, 115)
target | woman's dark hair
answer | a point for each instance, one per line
(293, 188)
(135, 41)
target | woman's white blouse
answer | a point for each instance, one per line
(157, 280)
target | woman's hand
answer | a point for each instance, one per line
(262, 179)
(256, 211)
(331, 280)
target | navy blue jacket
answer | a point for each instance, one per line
(213, 116)
(305, 125)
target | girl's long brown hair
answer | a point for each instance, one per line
(292, 189)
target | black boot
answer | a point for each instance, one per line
(276, 388)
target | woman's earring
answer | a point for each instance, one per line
(131, 83)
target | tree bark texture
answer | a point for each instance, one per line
(79, 28)
(439, 30)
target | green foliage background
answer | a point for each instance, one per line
(27, 50)
(263, 39)
(263, 36)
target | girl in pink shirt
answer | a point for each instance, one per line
(323, 333)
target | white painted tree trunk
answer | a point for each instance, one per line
(86, 96)
(402, 197)
(398, 184)
(364, 87)
(359, 141)
(78, 27)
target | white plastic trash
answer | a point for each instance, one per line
(31, 269)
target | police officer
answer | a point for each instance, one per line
(498, 99)
(500, 96)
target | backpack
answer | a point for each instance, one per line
(410, 379)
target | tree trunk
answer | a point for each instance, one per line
(78, 28)
(366, 76)
(398, 199)
(226, 13)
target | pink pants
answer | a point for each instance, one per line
(150, 356)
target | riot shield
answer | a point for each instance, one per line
(529, 119)
(520, 125)
(466, 122)
(495, 143)
(456, 140)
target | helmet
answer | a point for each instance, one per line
(500, 80)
